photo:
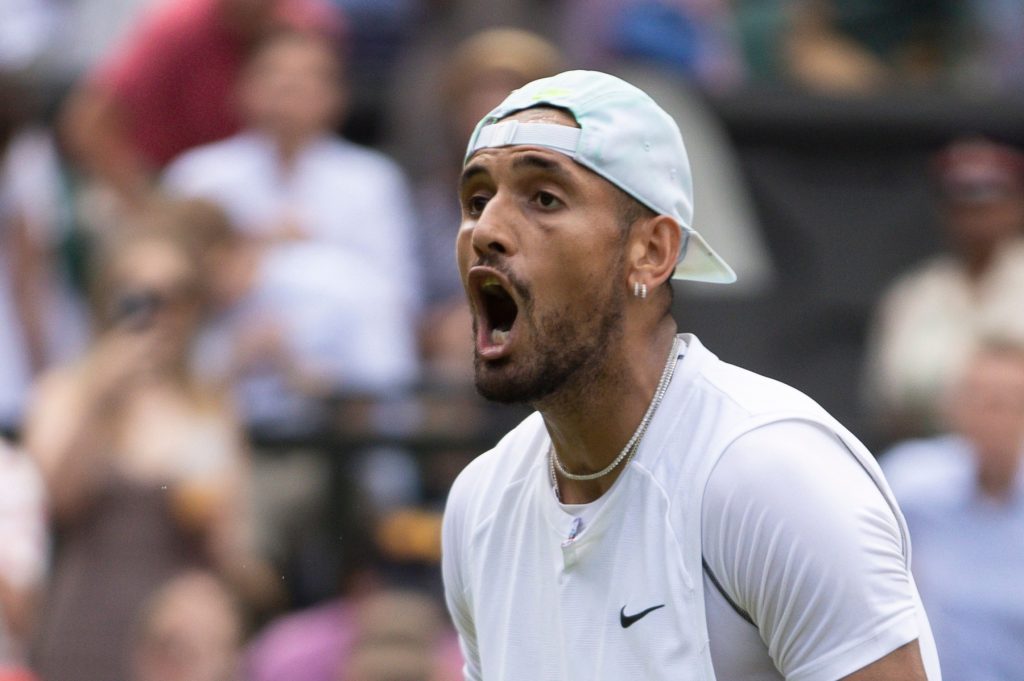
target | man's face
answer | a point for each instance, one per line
(292, 88)
(983, 224)
(989, 407)
(540, 251)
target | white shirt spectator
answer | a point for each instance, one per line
(968, 556)
(339, 321)
(335, 193)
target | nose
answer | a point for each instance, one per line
(493, 231)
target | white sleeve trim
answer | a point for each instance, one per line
(860, 653)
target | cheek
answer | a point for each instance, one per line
(464, 250)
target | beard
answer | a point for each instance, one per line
(567, 352)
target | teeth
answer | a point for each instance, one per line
(491, 282)
(499, 337)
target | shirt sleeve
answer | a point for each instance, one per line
(800, 538)
(455, 589)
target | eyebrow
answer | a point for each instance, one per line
(470, 172)
(538, 162)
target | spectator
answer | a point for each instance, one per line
(190, 630)
(994, 59)
(39, 319)
(382, 635)
(144, 464)
(929, 321)
(963, 498)
(23, 536)
(329, 236)
(170, 86)
(850, 46)
(693, 38)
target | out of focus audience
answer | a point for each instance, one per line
(386, 634)
(170, 86)
(930, 320)
(24, 557)
(190, 629)
(325, 227)
(145, 465)
(963, 496)
(291, 266)
(698, 39)
(39, 319)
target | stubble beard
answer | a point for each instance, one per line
(567, 356)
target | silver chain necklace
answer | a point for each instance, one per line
(634, 442)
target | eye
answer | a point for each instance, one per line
(547, 200)
(476, 203)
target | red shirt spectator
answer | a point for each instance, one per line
(170, 86)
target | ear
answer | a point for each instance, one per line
(653, 250)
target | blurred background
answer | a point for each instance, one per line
(235, 358)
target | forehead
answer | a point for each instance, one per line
(291, 50)
(152, 261)
(528, 157)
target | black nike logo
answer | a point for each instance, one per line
(629, 620)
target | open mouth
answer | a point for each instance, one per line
(497, 310)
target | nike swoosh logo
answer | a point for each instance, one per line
(629, 620)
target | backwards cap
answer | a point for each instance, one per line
(624, 137)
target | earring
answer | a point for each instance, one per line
(639, 290)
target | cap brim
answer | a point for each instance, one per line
(701, 263)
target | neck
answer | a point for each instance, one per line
(289, 147)
(978, 260)
(998, 483)
(590, 425)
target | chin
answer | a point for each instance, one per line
(499, 381)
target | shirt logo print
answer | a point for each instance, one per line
(629, 620)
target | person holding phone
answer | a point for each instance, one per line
(144, 464)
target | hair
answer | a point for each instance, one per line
(519, 54)
(629, 210)
(163, 221)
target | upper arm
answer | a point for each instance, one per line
(456, 591)
(53, 414)
(902, 664)
(801, 538)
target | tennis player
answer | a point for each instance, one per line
(662, 514)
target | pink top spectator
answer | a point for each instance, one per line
(316, 645)
(175, 76)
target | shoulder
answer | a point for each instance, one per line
(208, 157)
(300, 640)
(169, 30)
(796, 470)
(750, 392)
(802, 538)
(479, 487)
(922, 280)
(370, 163)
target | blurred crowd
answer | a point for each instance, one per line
(231, 222)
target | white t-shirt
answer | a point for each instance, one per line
(795, 531)
(340, 319)
(339, 194)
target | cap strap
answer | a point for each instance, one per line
(562, 138)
